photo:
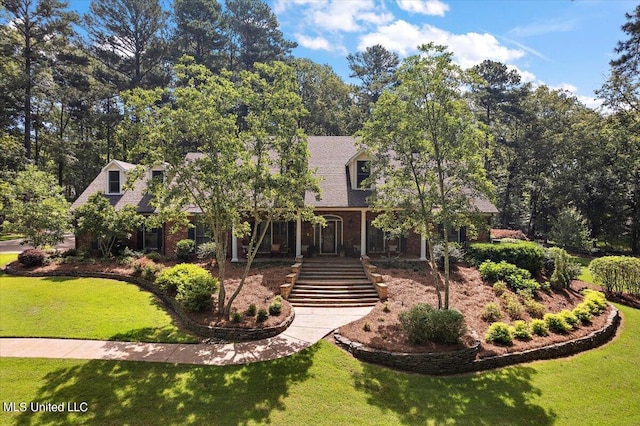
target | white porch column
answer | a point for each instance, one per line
(234, 248)
(423, 248)
(298, 236)
(363, 232)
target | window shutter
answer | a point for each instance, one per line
(140, 239)
(191, 234)
(463, 234)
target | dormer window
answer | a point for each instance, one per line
(363, 171)
(157, 175)
(114, 182)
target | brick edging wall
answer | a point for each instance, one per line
(465, 360)
(226, 333)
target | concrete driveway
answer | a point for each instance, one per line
(14, 246)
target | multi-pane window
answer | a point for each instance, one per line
(375, 239)
(363, 170)
(202, 234)
(157, 175)
(114, 182)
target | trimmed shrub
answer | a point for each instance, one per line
(520, 330)
(456, 254)
(194, 294)
(515, 234)
(171, 278)
(206, 250)
(583, 313)
(513, 306)
(499, 333)
(534, 308)
(525, 255)
(423, 323)
(252, 310)
(556, 323)
(153, 255)
(539, 327)
(262, 315)
(32, 257)
(184, 248)
(595, 300)
(275, 308)
(491, 312)
(516, 278)
(236, 317)
(499, 287)
(569, 317)
(617, 274)
(563, 272)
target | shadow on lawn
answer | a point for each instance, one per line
(144, 393)
(496, 397)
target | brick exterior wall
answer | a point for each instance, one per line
(171, 239)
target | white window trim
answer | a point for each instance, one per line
(108, 186)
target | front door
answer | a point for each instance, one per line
(328, 238)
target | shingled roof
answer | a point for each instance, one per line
(330, 156)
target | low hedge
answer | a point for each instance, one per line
(517, 279)
(617, 274)
(527, 255)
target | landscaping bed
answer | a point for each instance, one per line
(469, 295)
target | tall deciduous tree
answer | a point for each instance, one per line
(242, 178)
(427, 165)
(37, 208)
(37, 23)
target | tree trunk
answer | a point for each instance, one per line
(434, 271)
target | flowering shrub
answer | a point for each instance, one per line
(516, 234)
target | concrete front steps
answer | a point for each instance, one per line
(333, 283)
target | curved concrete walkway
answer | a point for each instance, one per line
(308, 327)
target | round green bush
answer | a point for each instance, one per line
(527, 255)
(415, 322)
(499, 333)
(194, 293)
(262, 315)
(520, 330)
(252, 310)
(275, 308)
(570, 318)
(184, 248)
(169, 279)
(583, 313)
(539, 327)
(556, 323)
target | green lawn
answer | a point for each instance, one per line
(7, 257)
(7, 237)
(88, 308)
(325, 386)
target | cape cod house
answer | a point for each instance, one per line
(342, 169)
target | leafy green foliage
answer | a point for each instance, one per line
(570, 229)
(499, 287)
(456, 254)
(534, 308)
(37, 209)
(570, 318)
(252, 310)
(184, 248)
(423, 323)
(491, 312)
(617, 274)
(262, 315)
(499, 333)
(171, 278)
(512, 305)
(275, 308)
(556, 323)
(596, 301)
(520, 330)
(583, 313)
(526, 255)
(206, 250)
(98, 218)
(516, 278)
(564, 270)
(194, 292)
(539, 327)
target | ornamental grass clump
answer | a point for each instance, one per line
(512, 305)
(499, 333)
(422, 323)
(491, 312)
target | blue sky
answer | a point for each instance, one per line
(561, 43)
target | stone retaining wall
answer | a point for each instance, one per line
(466, 360)
(226, 333)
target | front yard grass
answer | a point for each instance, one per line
(83, 308)
(323, 385)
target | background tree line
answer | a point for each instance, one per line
(64, 78)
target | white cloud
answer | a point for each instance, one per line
(282, 5)
(348, 16)
(469, 49)
(566, 87)
(315, 43)
(525, 76)
(426, 7)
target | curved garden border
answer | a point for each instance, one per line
(465, 360)
(226, 333)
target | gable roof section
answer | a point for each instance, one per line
(135, 196)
